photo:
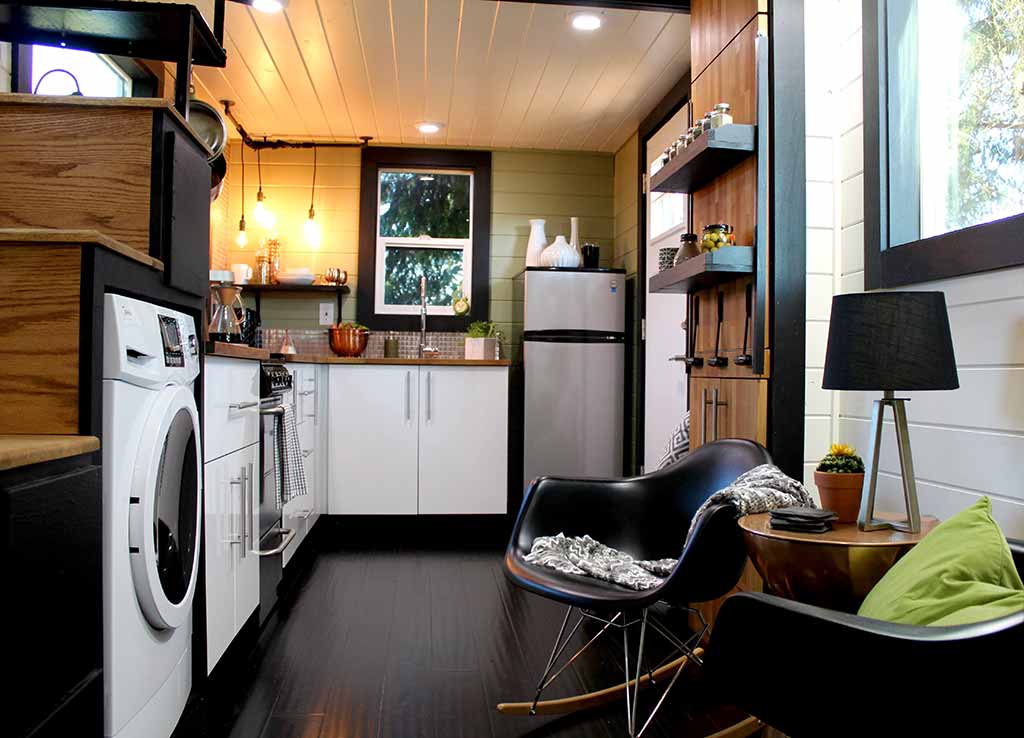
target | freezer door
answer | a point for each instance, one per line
(580, 301)
(573, 419)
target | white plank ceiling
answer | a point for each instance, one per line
(495, 74)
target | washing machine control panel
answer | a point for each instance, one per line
(174, 354)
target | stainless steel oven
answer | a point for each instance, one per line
(275, 394)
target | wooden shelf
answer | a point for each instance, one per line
(251, 287)
(705, 270)
(109, 27)
(710, 156)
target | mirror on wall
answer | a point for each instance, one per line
(956, 114)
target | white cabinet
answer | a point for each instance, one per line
(231, 416)
(409, 440)
(309, 383)
(373, 440)
(230, 534)
(463, 445)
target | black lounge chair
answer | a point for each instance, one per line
(647, 517)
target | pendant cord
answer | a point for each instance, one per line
(259, 169)
(242, 151)
(312, 192)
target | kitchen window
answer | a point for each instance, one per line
(423, 213)
(95, 74)
(423, 230)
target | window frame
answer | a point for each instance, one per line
(464, 244)
(370, 273)
(978, 248)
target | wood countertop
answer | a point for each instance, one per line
(236, 351)
(75, 237)
(22, 450)
(322, 359)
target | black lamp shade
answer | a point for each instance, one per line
(890, 341)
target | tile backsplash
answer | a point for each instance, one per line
(312, 341)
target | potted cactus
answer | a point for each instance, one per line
(840, 478)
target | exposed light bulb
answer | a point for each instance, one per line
(586, 21)
(428, 127)
(312, 231)
(267, 6)
(264, 216)
(241, 239)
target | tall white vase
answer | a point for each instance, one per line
(535, 246)
(574, 236)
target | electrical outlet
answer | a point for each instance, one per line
(326, 313)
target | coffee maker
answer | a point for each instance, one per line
(225, 296)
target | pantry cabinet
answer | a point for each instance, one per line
(408, 440)
(230, 535)
(727, 408)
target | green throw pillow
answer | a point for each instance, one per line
(962, 572)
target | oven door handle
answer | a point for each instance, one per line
(288, 534)
(279, 410)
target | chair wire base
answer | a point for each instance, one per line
(644, 619)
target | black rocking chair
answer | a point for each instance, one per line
(647, 517)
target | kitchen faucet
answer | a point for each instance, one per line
(425, 350)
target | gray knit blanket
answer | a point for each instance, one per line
(759, 490)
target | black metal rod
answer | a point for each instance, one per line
(279, 143)
(183, 72)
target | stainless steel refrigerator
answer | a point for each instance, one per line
(574, 356)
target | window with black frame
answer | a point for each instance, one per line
(944, 138)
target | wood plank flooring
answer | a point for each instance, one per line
(411, 642)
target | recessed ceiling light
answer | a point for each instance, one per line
(428, 127)
(586, 21)
(269, 6)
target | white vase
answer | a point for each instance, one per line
(535, 246)
(574, 236)
(560, 254)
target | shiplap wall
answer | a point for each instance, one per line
(967, 442)
(5, 67)
(525, 184)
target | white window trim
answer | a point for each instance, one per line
(466, 244)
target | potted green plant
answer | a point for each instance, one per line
(840, 478)
(481, 340)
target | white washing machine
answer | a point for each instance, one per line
(152, 477)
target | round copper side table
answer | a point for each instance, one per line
(836, 569)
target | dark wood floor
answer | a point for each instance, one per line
(408, 643)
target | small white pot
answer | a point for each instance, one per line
(481, 348)
(560, 254)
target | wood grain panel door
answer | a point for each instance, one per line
(702, 390)
(741, 410)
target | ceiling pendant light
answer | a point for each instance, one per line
(312, 228)
(261, 212)
(242, 239)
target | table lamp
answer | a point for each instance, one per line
(889, 342)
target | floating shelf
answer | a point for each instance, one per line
(252, 288)
(708, 157)
(705, 270)
(133, 29)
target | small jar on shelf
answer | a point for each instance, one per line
(688, 247)
(716, 236)
(721, 115)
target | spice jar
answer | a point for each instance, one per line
(391, 345)
(721, 115)
(716, 236)
(697, 131)
(705, 124)
(688, 247)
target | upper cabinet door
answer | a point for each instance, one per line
(373, 438)
(463, 440)
(231, 403)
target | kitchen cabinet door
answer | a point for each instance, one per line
(231, 418)
(742, 409)
(373, 439)
(231, 492)
(702, 426)
(463, 440)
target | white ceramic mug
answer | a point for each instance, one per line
(242, 272)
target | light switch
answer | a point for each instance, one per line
(326, 313)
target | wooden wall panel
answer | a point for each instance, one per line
(39, 330)
(77, 168)
(713, 23)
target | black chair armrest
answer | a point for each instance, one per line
(713, 560)
(808, 671)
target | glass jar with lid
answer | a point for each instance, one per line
(721, 115)
(697, 131)
(716, 236)
(688, 247)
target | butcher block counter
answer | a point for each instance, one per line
(413, 361)
(22, 450)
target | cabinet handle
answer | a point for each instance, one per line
(238, 538)
(246, 508)
(703, 415)
(307, 393)
(428, 397)
(408, 393)
(236, 406)
(714, 414)
(306, 453)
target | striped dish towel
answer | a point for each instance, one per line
(291, 474)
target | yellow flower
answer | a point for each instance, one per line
(841, 449)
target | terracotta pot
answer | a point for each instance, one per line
(348, 342)
(840, 493)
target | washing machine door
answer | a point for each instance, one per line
(164, 512)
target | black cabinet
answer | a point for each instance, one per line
(180, 209)
(53, 599)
